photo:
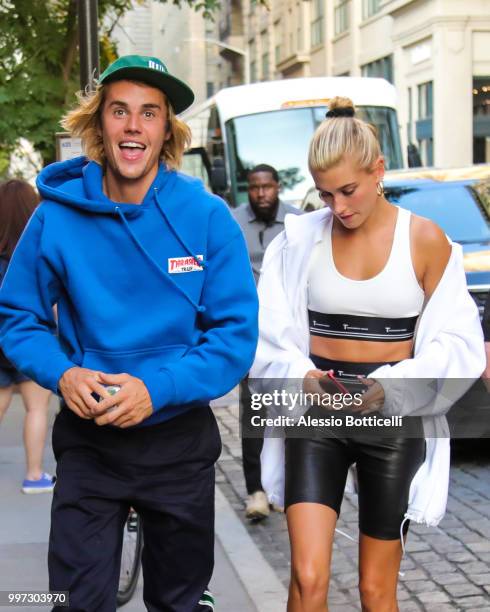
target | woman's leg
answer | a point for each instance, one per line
(379, 562)
(385, 468)
(311, 530)
(316, 471)
(36, 401)
(5, 399)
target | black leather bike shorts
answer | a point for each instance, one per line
(316, 469)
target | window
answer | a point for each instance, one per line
(341, 16)
(265, 55)
(277, 53)
(277, 42)
(253, 63)
(410, 115)
(253, 71)
(317, 23)
(370, 7)
(380, 68)
(209, 89)
(194, 164)
(265, 66)
(282, 138)
(481, 120)
(423, 126)
(425, 100)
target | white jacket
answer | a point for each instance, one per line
(448, 345)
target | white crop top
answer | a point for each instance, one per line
(384, 307)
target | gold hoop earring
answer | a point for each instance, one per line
(380, 189)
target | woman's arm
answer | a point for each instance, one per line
(486, 334)
(280, 354)
(430, 253)
(449, 351)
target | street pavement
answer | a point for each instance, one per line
(445, 568)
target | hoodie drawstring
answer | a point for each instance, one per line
(203, 264)
(155, 264)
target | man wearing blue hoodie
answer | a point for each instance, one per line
(155, 294)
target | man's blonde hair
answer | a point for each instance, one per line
(343, 135)
(84, 121)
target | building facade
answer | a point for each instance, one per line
(435, 52)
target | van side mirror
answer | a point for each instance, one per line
(218, 175)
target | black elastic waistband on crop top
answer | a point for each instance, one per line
(351, 327)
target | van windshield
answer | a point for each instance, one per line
(281, 138)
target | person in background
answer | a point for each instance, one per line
(17, 203)
(261, 220)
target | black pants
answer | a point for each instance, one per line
(251, 447)
(166, 473)
(316, 469)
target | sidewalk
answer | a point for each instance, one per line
(24, 530)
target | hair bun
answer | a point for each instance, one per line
(340, 107)
(340, 112)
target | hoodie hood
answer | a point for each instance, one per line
(77, 183)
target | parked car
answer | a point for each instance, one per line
(458, 200)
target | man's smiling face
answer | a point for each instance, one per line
(134, 129)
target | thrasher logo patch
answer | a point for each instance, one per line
(177, 265)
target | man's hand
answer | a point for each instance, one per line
(77, 385)
(128, 407)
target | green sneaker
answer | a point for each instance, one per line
(207, 600)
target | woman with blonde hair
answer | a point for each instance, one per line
(17, 203)
(342, 291)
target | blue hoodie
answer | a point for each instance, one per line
(162, 290)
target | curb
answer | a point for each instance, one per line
(259, 579)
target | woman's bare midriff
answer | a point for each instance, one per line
(360, 351)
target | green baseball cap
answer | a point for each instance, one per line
(152, 71)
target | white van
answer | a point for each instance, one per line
(273, 122)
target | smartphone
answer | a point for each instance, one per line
(329, 380)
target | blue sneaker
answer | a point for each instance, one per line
(45, 484)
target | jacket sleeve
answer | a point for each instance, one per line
(449, 352)
(227, 345)
(27, 326)
(280, 354)
(486, 319)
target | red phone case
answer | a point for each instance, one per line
(337, 383)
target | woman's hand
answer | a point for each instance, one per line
(311, 383)
(372, 399)
(322, 390)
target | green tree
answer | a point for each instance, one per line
(39, 67)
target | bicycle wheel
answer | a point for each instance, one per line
(130, 558)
